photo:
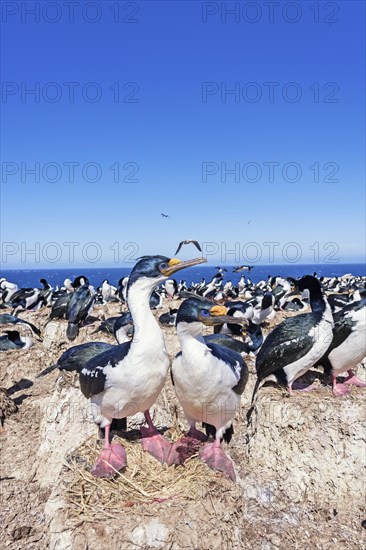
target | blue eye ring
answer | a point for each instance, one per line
(163, 265)
(205, 312)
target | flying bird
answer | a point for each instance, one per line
(196, 244)
(165, 215)
(242, 268)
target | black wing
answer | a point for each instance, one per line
(75, 358)
(343, 325)
(60, 306)
(196, 244)
(93, 376)
(287, 343)
(179, 247)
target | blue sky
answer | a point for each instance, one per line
(177, 133)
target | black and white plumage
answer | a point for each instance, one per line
(171, 288)
(227, 341)
(348, 346)
(241, 285)
(80, 281)
(46, 292)
(253, 338)
(121, 327)
(213, 286)
(188, 241)
(12, 340)
(107, 292)
(128, 379)
(122, 289)
(243, 268)
(264, 308)
(156, 300)
(239, 310)
(29, 299)
(8, 289)
(295, 345)
(74, 359)
(208, 379)
(106, 326)
(296, 304)
(169, 317)
(7, 319)
(67, 286)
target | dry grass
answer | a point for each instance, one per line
(146, 481)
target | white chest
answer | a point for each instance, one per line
(322, 336)
(353, 349)
(203, 386)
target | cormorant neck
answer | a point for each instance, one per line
(189, 331)
(138, 300)
(318, 300)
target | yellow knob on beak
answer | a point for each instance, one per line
(174, 261)
(218, 310)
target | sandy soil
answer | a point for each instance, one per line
(300, 467)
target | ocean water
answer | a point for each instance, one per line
(31, 277)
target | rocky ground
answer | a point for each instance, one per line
(300, 466)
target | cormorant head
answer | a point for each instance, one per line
(209, 313)
(293, 282)
(155, 269)
(80, 281)
(13, 335)
(308, 282)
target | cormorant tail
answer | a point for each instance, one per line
(46, 371)
(72, 331)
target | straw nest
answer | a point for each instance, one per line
(143, 482)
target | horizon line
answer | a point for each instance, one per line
(125, 266)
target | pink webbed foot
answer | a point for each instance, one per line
(216, 459)
(110, 459)
(340, 389)
(352, 380)
(299, 386)
(186, 446)
(155, 444)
